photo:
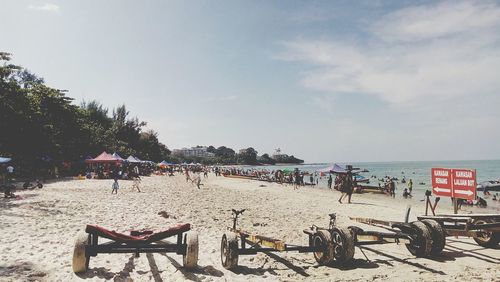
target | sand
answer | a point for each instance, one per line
(38, 233)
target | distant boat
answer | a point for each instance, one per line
(491, 185)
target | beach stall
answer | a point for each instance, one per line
(116, 156)
(103, 163)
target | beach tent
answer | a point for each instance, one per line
(116, 156)
(4, 160)
(104, 158)
(164, 164)
(336, 168)
(333, 169)
(132, 159)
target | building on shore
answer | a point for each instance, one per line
(277, 155)
(198, 151)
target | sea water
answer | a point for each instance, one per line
(418, 171)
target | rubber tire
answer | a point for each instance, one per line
(323, 238)
(80, 260)
(438, 236)
(229, 250)
(424, 238)
(190, 259)
(344, 255)
(492, 239)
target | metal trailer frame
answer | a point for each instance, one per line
(483, 228)
(330, 246)
(87, 246)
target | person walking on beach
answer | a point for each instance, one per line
(296, 183)
(136, 183)
(330, 181)
(346, 188)
(198, 181)
(187, 174)
(115, 186)
(392, 187)
(410, 185)
(10, 173)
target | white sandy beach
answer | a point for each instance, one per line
(38, 233)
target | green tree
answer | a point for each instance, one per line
(247, 156)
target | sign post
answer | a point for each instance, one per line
(454, 183)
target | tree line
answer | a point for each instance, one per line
(40, 123)
(227, 156)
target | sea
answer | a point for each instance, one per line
(418, 171)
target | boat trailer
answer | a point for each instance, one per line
(483, 228)
(334, 245)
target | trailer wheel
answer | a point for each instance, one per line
(229, 250)
(486, 239)
(438, 236)
(421, 246)
(343, 245)
(323, 238)
(80, 259)
(190, 259)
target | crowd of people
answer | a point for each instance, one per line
(343, 182)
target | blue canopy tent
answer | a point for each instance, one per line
(335, 168)
(4, 160)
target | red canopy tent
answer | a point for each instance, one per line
(104, 158)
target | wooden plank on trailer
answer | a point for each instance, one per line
(372, 221)
(267, 242)
(276, 244)
(472, 215)
(445, 218)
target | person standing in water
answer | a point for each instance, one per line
(410, 185)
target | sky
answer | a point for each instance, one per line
(323, 80)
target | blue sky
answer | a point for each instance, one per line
(323, 80)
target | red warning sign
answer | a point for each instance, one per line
(464, 184)
(457, 183)
(441, 182)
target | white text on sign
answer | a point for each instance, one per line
(463, 174)
(441, 173)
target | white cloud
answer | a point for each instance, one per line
(441, 52)
(440, 20)
(49, 7)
